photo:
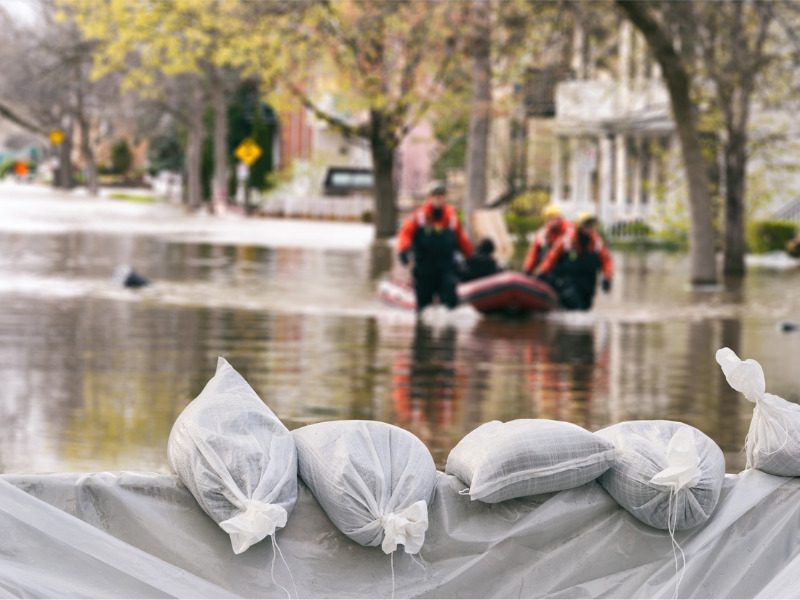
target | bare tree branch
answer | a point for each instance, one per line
(10, 114)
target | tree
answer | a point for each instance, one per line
(47, 72)
(251, 118)
(726, 50)
(390, 62)
(121, 157)
(510, 46)
(733, 40)
(152, 42)
(677, 77)
(480, 106)
(165, 152)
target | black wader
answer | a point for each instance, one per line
(575, 279)
(434, 266)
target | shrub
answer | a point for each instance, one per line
(793, 246)
(7, 167)
(121, 157)
(520, 225)
(524, 214)
(631, 229)
(769, 235)
(530, 202)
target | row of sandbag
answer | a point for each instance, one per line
(375, 481)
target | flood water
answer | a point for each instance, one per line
(93, 376)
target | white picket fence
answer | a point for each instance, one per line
(346, 207)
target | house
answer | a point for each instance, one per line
(615, 150)
(313, 152)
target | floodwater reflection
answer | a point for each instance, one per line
(94, 376)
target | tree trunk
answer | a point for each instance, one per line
(702, 255)
(194, 144)
(735, 191)
(65, 179)
(87, 156)
(701, 234)
(382, 147)
(480, 110)
(89, 165)
(219, 105)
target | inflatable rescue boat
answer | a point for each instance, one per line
(506, 292)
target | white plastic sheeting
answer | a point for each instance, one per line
(143, 535)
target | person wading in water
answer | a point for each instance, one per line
(433, 235)
(555, 227)
(574, 262)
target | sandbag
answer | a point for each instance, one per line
(666, 474)
(372, 479)
(236, 457)
(773, 440)
(499, 461)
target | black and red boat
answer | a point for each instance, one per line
(506, 292)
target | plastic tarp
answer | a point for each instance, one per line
(143, 535)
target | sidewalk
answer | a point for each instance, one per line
(34, 208)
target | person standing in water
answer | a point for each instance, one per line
(555, 227)
(433, 235)
(574, 262)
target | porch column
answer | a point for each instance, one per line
(557, 182)
(637, 179)
(574, 169)
(621, 175)
(606, 174)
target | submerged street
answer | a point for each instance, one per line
(94, 374)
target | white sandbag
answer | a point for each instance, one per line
(666, 474)
(773, 440)
(372, 479)
(236, 457)
(499, 461)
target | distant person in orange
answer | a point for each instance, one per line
(433, 235)
(554, 228)
(574, 262)
(21, 169)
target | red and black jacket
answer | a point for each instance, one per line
(543, 240)
(433, 241)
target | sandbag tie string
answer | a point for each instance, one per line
(405, 527)
(256, 521)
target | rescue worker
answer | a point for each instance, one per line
(573, 263)
(554, 228)
(482, 263)
(433, 234)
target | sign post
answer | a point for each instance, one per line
(242, 174)
(56, 137)
(247, 152)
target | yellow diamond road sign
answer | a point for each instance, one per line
(248, 151)
(56, 137)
